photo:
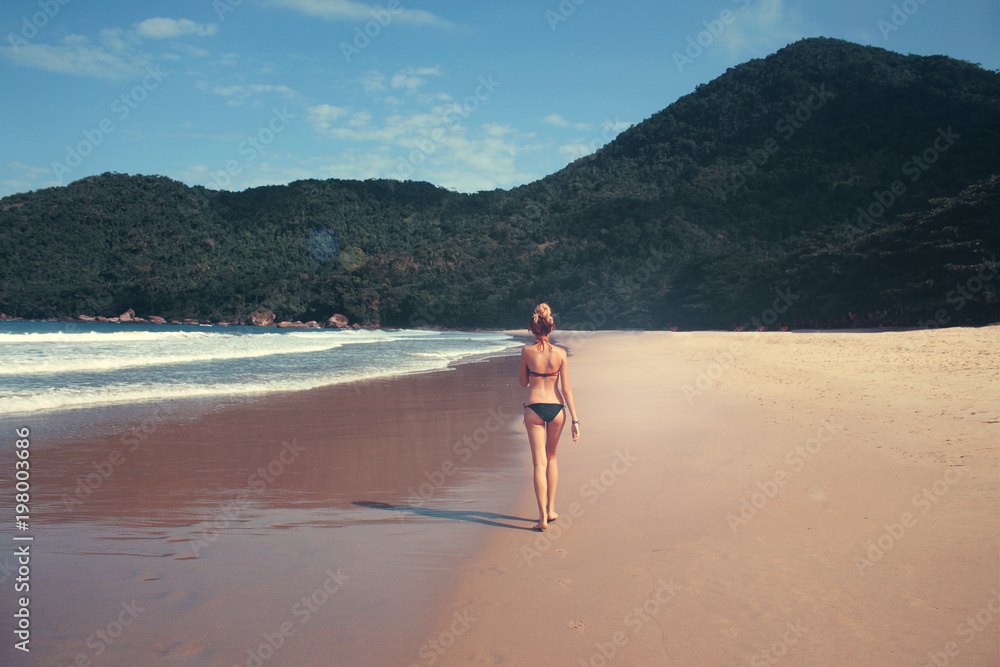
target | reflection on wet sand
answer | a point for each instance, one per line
(216, 526)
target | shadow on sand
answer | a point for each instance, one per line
(486, 518)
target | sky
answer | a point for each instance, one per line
(233, 94)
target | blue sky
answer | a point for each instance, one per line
(473, 96)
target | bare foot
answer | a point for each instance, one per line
(540, 526)
(553, 516)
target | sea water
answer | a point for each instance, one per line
(48, 367)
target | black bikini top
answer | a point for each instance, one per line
(542, 375)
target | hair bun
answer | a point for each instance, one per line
(541, 321)
(543, 312)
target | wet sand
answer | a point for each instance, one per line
(761, 499)
(319, 527)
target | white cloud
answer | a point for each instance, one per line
(348, 10)
(323, 116)
(238, 94)
(26, 177)
(191, 51)
(115, 55)
(559, 121)
(576, 149)
(113, 58)
(160, 28)
(758, 30)
(438, 145)
(372, 81)
(580, 147)
(412, 78)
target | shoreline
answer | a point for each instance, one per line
(226, 526)
(829, 498)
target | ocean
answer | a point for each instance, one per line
(59, 366)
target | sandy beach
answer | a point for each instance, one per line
(771, 498)
(735, 498)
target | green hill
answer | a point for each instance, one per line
(860, 181)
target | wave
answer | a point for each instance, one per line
(121, 351)
(60, 370)
(97, 337)
(115, 363)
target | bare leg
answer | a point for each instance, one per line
(536, 440)
(552, 432)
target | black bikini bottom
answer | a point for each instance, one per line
(547, 411)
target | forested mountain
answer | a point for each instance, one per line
(858, 184)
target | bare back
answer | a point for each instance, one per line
(541, 372)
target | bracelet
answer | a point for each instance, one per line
(576, 421)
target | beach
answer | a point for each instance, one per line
(735, 498)
(312, 527)
(760, 498)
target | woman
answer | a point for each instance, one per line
(542, 366)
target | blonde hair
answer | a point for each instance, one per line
(542, 324)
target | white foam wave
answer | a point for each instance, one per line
(112, 362)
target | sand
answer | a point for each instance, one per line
(774, 498)
(758, 498)
(314, 528)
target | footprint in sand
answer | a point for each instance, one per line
(561, 553)
(564, 583)
(579, 626)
